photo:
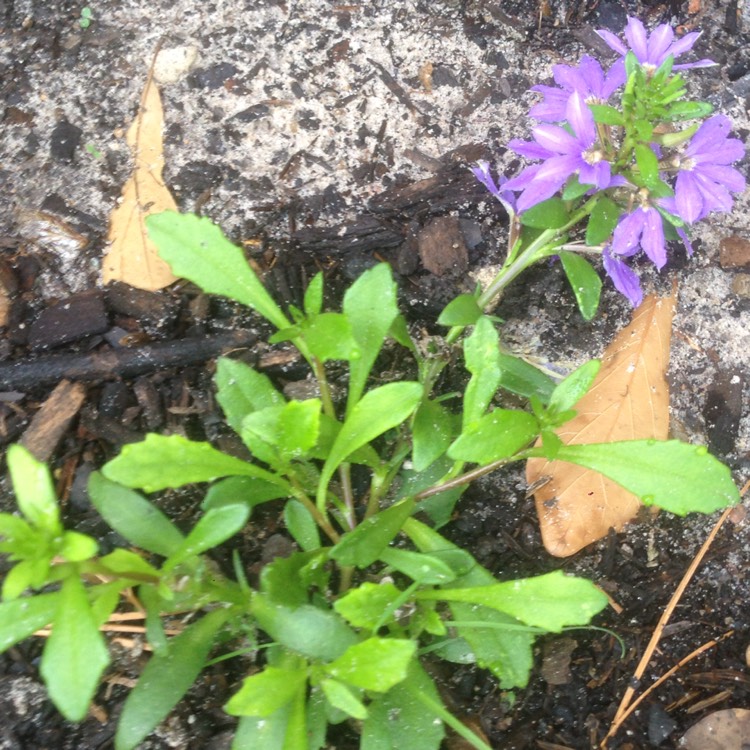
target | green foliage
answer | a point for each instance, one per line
(344, 620)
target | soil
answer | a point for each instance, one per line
(325, 135)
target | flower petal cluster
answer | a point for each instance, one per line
(652, 50)
(482, 172)
(705, 179)
(588, 80)
(624, 278)
(563, 154)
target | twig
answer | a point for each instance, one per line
(625, 708)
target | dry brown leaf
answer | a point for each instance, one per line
(132, 257)
(629, 400)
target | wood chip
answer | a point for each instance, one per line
(51, 421)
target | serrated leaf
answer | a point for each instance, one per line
(35, 493)
(379, 410)
(341, 697)
(584, 281)
(371, 308)
(162, 461)
(247, 490)
(214, 527)
(306, 630)
(679, 477)
(425, 569)
(499, 434)
(196, 250)
(551, 601)
(301, 525)
(133, 517)
(432, 432)
(132, 256)
(628, 400)
(241, 391)
(364, 544)
(75, 654)
(375, 664)
(291, 430)
(481, 355)
(648, 163)
(549, 214)
(165, 679)
(602, 221)
(22, 617)
(264, 693)
(398, 720)
(462, 311)
(606, 115)
(363, 607)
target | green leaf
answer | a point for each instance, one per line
(363, 607)
(159, 462)
(432, 432)
(289, 580)
(328, 336)
(518, 376)
(439, 507)
(379, 410)
(241, 391)
(75, 654)
(506, 653)
(584, 281)
(371, 308)
(214, 527)
(499, 434)
(606, 115)
(397, 720)
(340, 696)
(568, 393)
(602, 221)
(292, 429)
(35, 493)
(26, 574)
(283, 730)
(22, 617)
(75, 547)
(574, 189)
(313, 302)
(133, 517)
(462, 311)
(549, 214)
(247, 490)
(166, 679)
(481, 354)
(263, 693)
(676, 476)
(419, 567)
(551, 601)
(306, 630)
(196, 250)
(375, 664)
(125, 563)
(648, 164)
(688, 111)
(364, 544)
(301, 525)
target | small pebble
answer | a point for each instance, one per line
(174, 63)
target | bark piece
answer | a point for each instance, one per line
(722, 413)
(141, 304)
(442, 247)
(72, 319)
(51, 421)
(734, 252)
(126, 363)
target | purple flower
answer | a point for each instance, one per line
(626, 280)
(705, 179)
(482, 173)
(641, 228)
(651, 51)
(588, 79)
(563, 154)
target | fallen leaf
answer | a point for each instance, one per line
(132, 257)
(721, 730)
(629, 400)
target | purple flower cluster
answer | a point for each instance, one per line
(699, 171)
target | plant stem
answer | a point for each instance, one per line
(319, 518)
